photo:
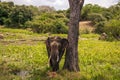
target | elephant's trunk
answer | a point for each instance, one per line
(55, 55)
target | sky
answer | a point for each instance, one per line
(62, 4)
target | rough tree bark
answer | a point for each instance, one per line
(71, 58)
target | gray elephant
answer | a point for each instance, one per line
(55, 48)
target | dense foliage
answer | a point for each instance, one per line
(41, 19)
(91, 9)
(112, 28)
(48, 22)
(104, 19)
(45, 19)
(5, 9)
(15, 16)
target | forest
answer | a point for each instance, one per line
(24, 29)
(45, 19)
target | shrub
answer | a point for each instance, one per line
(112, 28)
(48, 22)
(85, 31)
(108, 15)
(96, 17)
(99, 27)
(98, 21)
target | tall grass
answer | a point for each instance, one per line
(98, 60)
(2, 30)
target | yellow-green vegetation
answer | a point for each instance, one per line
(100, 59)
(23, 56)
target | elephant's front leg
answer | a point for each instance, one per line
(56, 67)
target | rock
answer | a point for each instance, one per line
(7, 33)
(103, 36)
(1, 36)
(49, 34)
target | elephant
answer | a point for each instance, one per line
(55, 48)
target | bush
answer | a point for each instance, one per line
(48, 22)
(85, 31)
(112, 28)
(98, 21)
(99, 27)
(108, 15)
(96, 17)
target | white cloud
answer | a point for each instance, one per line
(104, 3)
(51, 0)
(61, 4)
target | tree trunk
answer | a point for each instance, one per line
(71, 58)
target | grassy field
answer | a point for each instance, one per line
(23, 56)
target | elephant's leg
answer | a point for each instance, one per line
(50, 63)
(56, 67)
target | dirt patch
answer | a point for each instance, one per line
(86, 25)
(51, 74)
(22, 41)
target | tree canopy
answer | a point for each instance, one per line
(18, 16)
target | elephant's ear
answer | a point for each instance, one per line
(48, 45)
(64, 45)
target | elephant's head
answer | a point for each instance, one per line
(55, 47)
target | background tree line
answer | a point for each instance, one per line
(104, 19)
(41, 19)
(46, 19)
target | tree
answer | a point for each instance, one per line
(20, 15)
(71, 58)
(48, 22)
(43, 9)
(5, 10)
(90, 9)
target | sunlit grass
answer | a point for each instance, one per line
(98, 60)
(3, 30)
(91, 35)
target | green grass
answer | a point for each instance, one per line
(13, 34)
(15, 31)
(100, 59)
(89, 36)
(27, 60)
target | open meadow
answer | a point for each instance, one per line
(23, 56)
